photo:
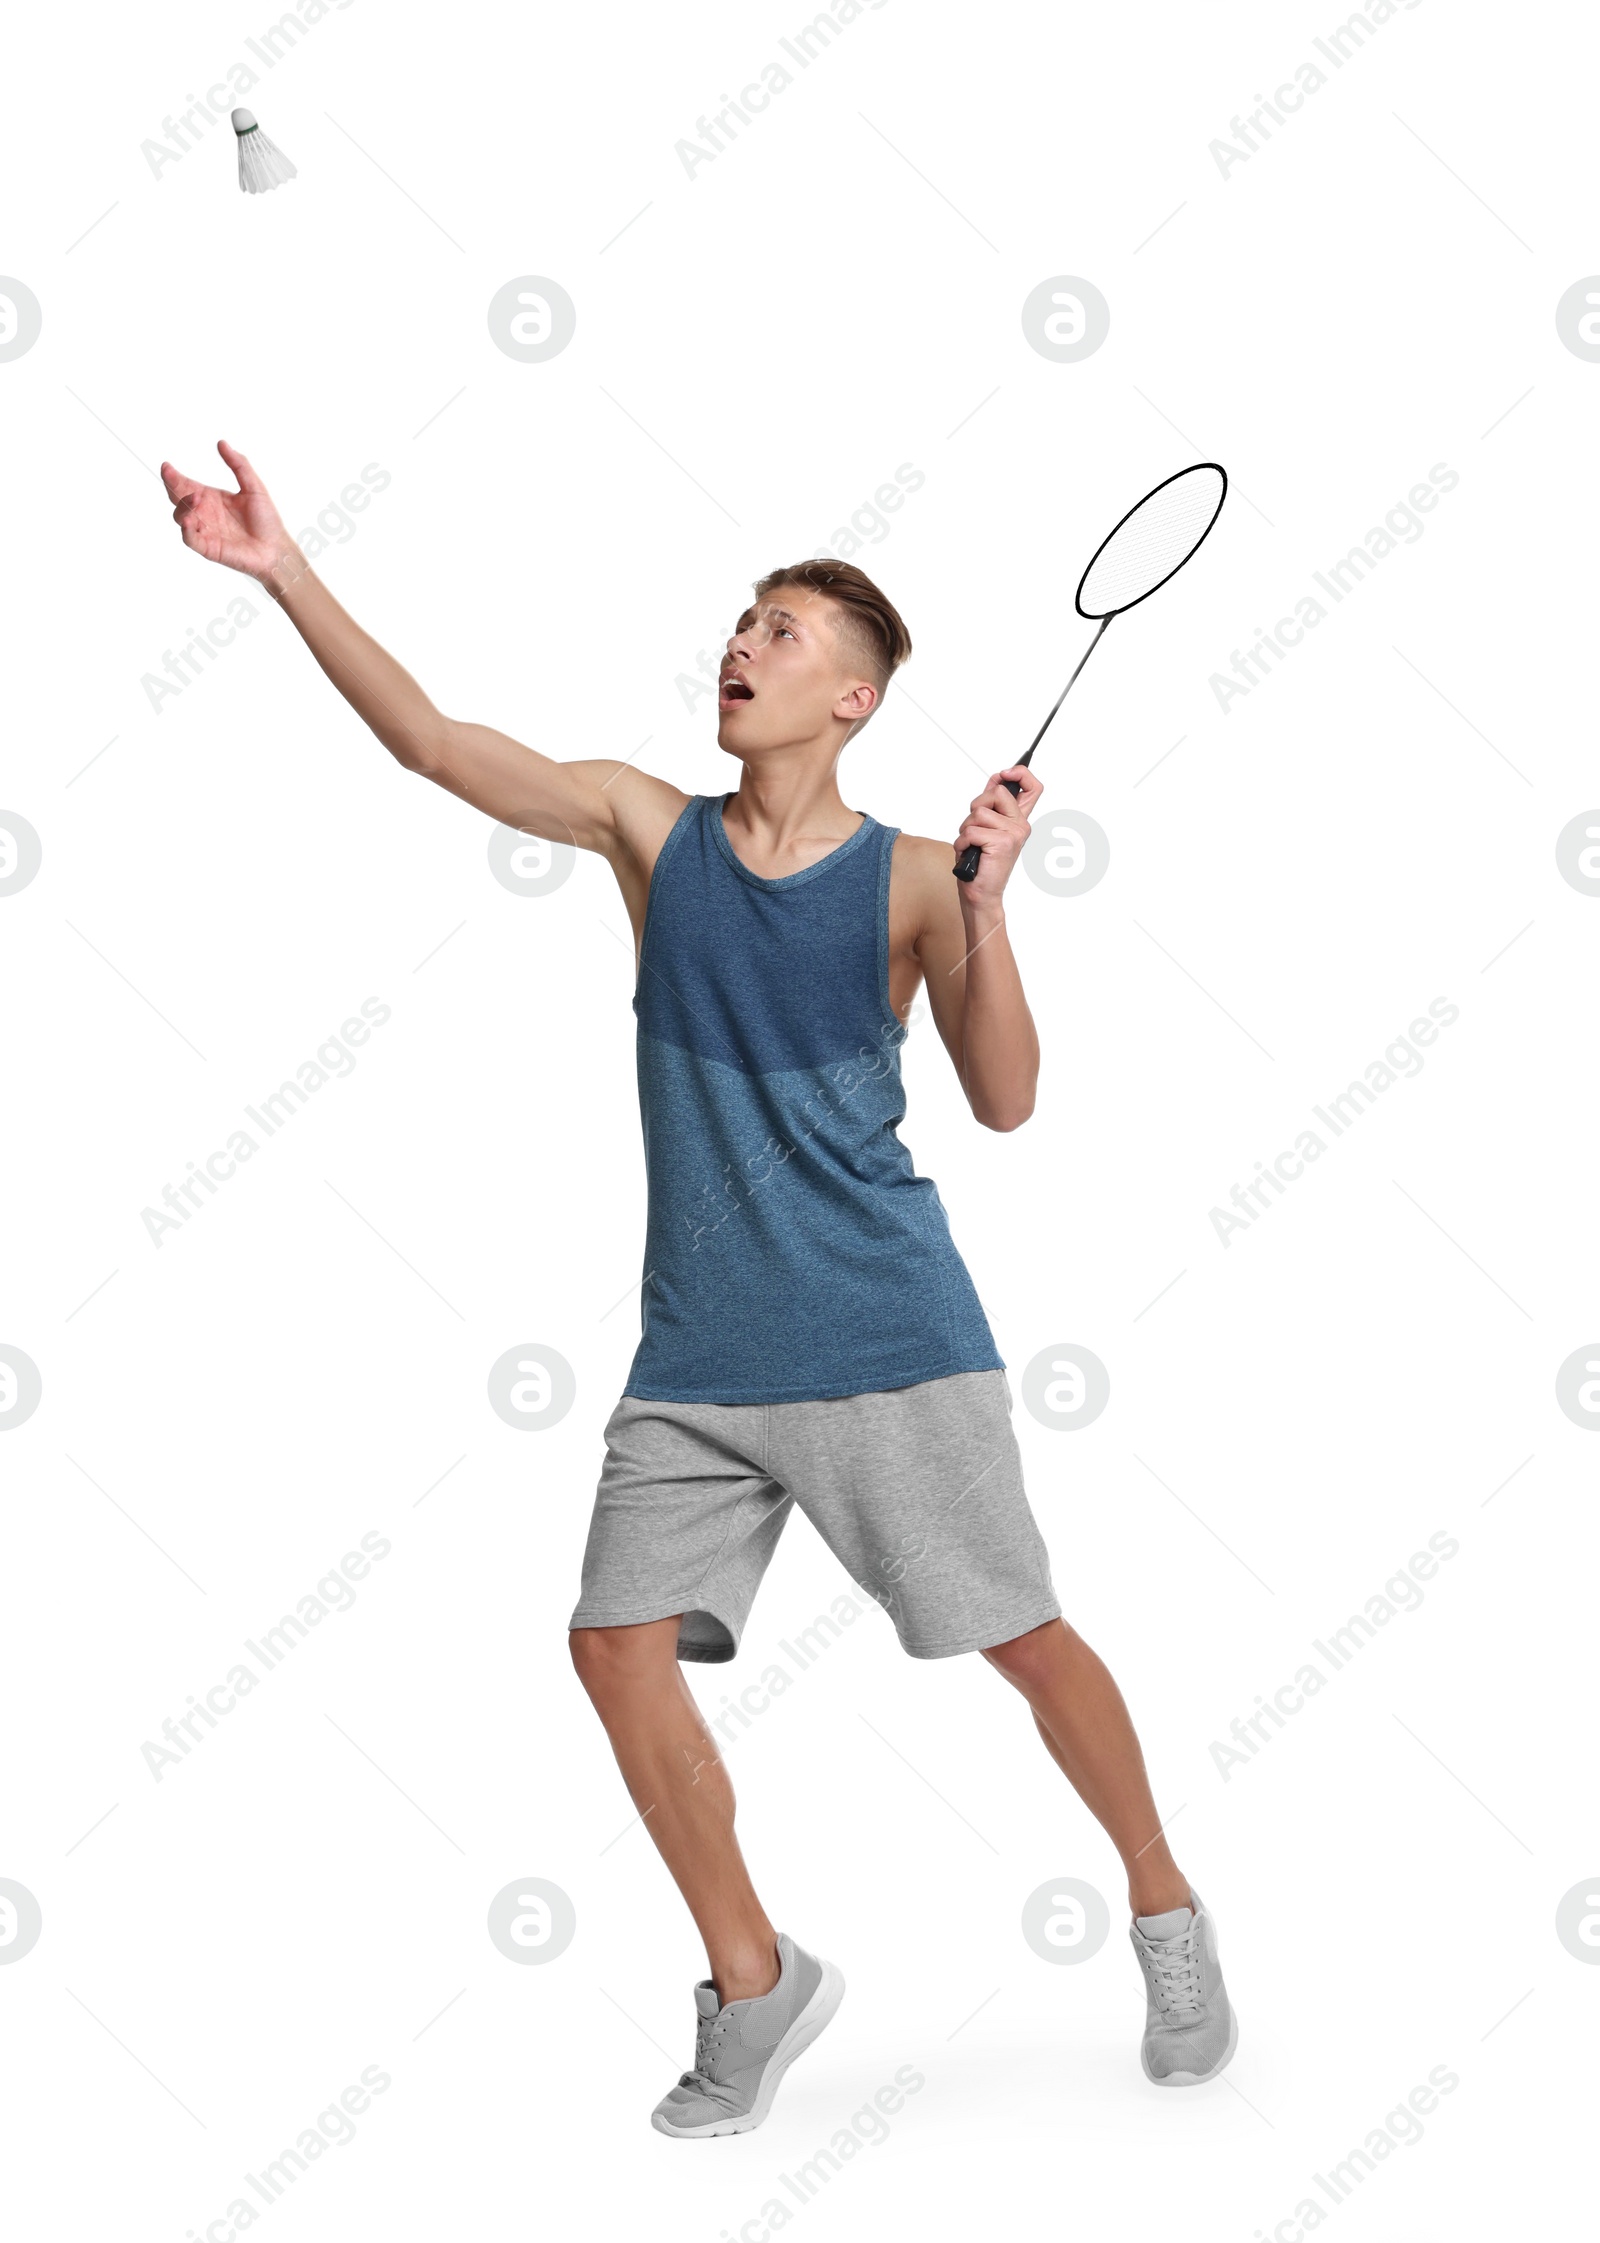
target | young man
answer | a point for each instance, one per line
(810, 1335)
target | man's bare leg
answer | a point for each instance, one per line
(675, 1775)
(1082, 1718)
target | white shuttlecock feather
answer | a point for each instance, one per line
(262, 163)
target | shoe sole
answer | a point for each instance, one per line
(804, 2029)
(1197, 2079)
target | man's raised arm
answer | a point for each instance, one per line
(569, 802)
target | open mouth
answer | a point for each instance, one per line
(731, 691)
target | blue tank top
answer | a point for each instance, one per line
(791, 1250)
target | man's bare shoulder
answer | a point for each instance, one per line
(922, 862)
(923, 891)
(643, 808)
(921, 858)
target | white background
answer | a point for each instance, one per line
(1372, 1362)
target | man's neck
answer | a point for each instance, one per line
(788, 814)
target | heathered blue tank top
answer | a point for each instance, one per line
(791, 1250)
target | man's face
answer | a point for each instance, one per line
(789, 676)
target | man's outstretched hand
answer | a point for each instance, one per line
(240, 529)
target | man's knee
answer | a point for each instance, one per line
(1027, 1658)
(609, 1660)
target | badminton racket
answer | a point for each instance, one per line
(1145, 550)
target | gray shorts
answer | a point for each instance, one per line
(917, 1491)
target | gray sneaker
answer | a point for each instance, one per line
(742, 2052)
(1190, 2030)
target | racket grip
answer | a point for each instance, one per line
(966, 865)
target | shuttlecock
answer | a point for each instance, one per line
(262, 164)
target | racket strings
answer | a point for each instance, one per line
(1152, 542)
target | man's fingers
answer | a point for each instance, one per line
(1021, 776)
(986, 827)
(998, 819)
(998, 795)
(244, 474)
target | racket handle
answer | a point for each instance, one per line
(966, 865)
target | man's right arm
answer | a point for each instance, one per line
(622, 813)
(516, 785)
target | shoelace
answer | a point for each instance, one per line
(707, 2042)
(1174, 1968)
